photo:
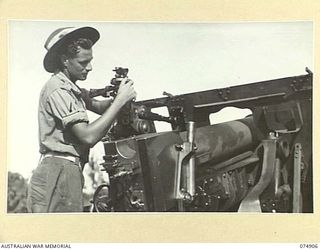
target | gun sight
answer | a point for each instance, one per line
(121, 72)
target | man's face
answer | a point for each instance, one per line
(79, 66)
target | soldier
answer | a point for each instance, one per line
(65, 134)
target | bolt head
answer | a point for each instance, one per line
(187, 197)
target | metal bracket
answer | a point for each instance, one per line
(184, 186)
(297, 208)
(251, 202)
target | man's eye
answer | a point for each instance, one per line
(85, 63)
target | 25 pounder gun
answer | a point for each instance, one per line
(261, 163)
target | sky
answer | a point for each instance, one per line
(174, 57)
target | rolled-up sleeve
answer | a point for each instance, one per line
(66, 108)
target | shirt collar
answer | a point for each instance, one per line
(69, 84)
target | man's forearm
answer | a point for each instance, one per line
(100, 106)
(90, 134)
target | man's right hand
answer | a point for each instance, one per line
(126, 92)
(90, 134)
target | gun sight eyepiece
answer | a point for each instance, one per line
(121, 72)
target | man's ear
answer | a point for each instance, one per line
(64, 60)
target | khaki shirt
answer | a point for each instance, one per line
(61, 106)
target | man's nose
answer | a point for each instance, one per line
(89, 67)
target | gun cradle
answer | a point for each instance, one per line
(262, 163)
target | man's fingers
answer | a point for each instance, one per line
(133, 95)
(126, 90)
(129, 82)
(124, 80)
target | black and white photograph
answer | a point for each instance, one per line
(116, 117)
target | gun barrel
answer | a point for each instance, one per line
(220, 141)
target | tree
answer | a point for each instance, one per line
(17, 193)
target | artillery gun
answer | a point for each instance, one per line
(261, 163)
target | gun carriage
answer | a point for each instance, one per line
(261, 163)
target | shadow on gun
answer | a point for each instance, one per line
(262, 163)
